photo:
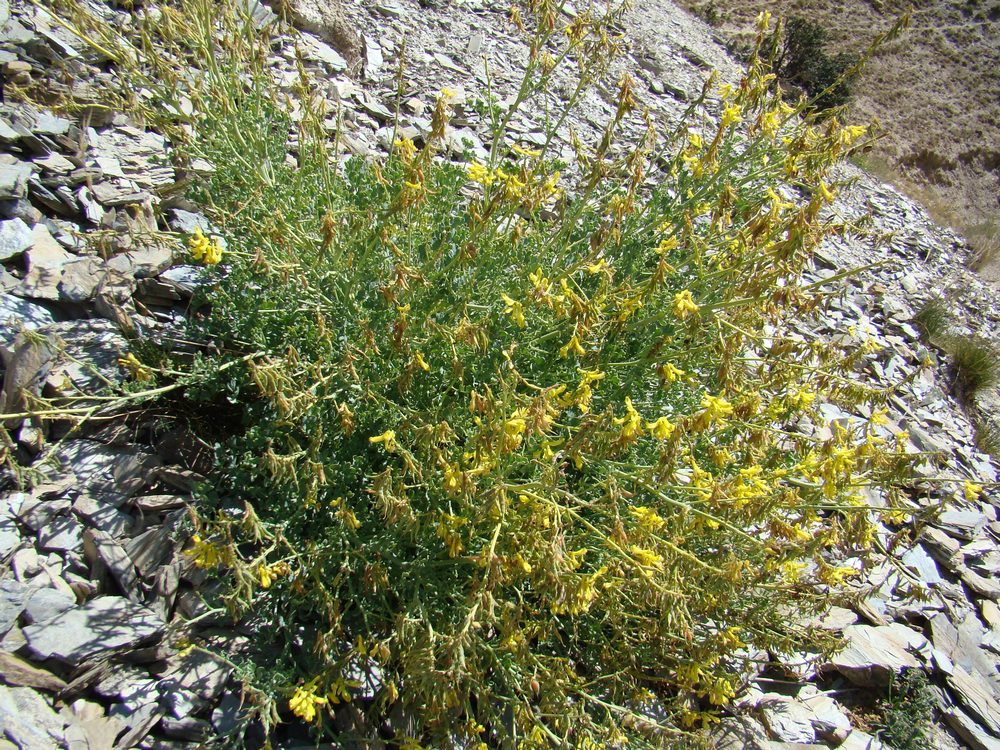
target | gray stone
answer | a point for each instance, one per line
(10, 537)
(15, 312)
(14, 180)
(186, 280)
(50, 125)
(55, 163)
(786, 719)
(46, 260)
(80, 279)
(972, 733)
(98, 513)
(188, 728)
(13, 599)
(93, 733)
(99, 468)
(102, 624)
(7, 134)
(858, 740)
(20, 673)
(62, 534)
(324, 53)
(27, 720)
(740, 733)
(129, 685)
(27, 369)
(101, 547)
(873, 654)
(193, 680)
(143, 262)
(187, 221)
(15, 238)
(373, 56)
(91, 351)
(920, 561)
(139, 723)
(45, 604)
(961, 524)
(971, 691)
(327, 20)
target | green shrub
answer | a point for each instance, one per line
(976, 362)
(933, 320)
(805, 63)
(906, 712)
(515, 441)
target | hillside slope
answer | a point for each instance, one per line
(934, 91)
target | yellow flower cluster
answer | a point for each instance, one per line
(204, 250)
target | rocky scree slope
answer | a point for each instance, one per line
(99, 604)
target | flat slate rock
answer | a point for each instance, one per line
(15, 238)
(28, 721)
(873, 654)
(13, 599)
(102, 624)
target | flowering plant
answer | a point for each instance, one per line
(521, 453)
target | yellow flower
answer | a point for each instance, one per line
(339, 690)
(669, 373)
(453, 479)
(573, 345)
(732, 115)
(646, 558)
(661, 429)
(481, 174)
(203, 249)
(522, 151)
(515, 309)
(304, 701)
(419, 361)
(972, 491)
(135, 368)
(769, 122)
(387, 438)
(832, 575)
(825, 193)
(800, 399)
(721, 692)
(541, 284)
(716, 407)
(666, 245)
(649, 519)
(264, 573)
(206, 554)
(631, 423)
(447, 530)
(513, 432)
(346, 515)
(407, 149)
(684, 304)
(598, 267)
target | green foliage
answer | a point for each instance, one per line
(976, 362)
(518, 448)
(906, 712)
(933, 319)
(806, 64)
